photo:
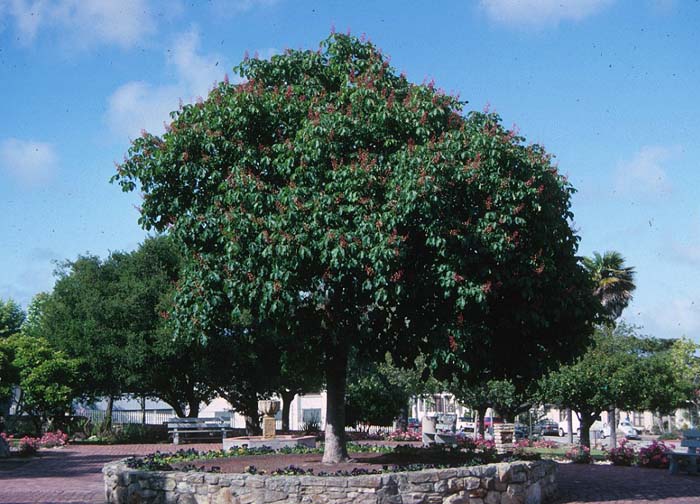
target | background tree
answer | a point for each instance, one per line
(84, 319)
(614, 284)
(113, 316)
(501, 395)
(376, 394)
(620, 369)
(297, 375)
(333, 202)
(159, 365)
(11, 317)
(47, 378)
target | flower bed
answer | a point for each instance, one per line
(27, 445)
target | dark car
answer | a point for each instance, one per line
(546, 427)
(521, 432)
(413, 424)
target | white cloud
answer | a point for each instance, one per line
(28, 162)
(82, 23)
(139, 105)
(645, 174)
(541, 13)
(198, 72)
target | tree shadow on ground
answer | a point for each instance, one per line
(606, 483)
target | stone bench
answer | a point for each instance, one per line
(197, 428)
(691, 440)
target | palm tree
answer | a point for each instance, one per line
(614, 282)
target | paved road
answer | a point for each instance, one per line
(72, 475)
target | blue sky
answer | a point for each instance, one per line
(608, 86)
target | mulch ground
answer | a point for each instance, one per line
(359, 461)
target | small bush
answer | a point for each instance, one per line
(544, 443)
(579, 455)
(413, 435)
(623, 455)
(27, 446)
(53, 439)
(655, 455)
(311, 427)
(666, 436)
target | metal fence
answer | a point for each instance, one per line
(153, 417)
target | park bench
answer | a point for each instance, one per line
(198, 428)
(691, 440)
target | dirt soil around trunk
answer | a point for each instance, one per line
(360, 461)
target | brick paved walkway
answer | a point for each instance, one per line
(72, 475)
(580, 484)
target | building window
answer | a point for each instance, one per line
(637, 418)
(311, 415)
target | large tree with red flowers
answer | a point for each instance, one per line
(327, 204)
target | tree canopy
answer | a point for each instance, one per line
(328, 200)
(613, 281)
(619, 370)
(11, 317)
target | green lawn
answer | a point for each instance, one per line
(559, 452)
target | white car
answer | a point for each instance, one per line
(624, 428)
(564, 429)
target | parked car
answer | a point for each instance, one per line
(466, 424)
(546, 427)
(624, 429)
(521, 432)
(488, 421)
(563, 428)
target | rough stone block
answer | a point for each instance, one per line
(422, 476)
(533, 495)
(472, 482)
(455, 484)
(365, 481)
(492, 497)
(458, 498)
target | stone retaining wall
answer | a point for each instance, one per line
(504, 483)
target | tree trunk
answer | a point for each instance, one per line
(586, 422)
(252, 425)
(402, 424)
(480, 414)
(612, 421)
(193, 407)
(334, 450)
(178, 409)
(107, 425)
(287, 398)
(143, 411)
(570, 426)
